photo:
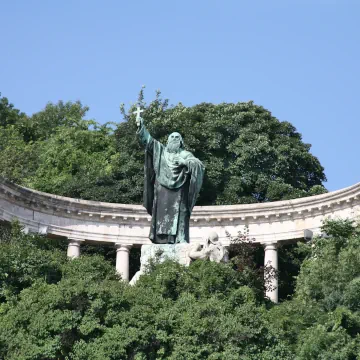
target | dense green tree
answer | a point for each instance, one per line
(73, 161)
(43, 124)
(56, 150)
(331, 266)
(53, 308)
(9, 115)
(90, 314)
(322, 321)
(24, 259)
(250, 156)
(82, 311)
(50, 318)
(18, 159)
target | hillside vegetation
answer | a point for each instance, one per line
(53, 308)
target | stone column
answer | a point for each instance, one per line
(271, 258)
(122, 260)
(73, 250)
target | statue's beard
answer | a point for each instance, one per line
(173, 146)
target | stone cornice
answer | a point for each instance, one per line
(70, 207)
(52, 211)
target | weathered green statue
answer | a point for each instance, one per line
(173, 178)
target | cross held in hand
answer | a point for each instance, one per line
(138, 112)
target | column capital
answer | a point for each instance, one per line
(75, 242)
(122, 247)
(270, 246)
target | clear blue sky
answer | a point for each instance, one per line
(299, 59)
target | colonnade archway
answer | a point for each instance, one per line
(125, 226)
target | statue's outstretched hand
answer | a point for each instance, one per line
(139, 121)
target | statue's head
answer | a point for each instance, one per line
(213, 237)
(175, 143)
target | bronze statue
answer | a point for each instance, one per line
(173, 178)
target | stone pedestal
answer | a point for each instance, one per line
(160, 253)
(122, 260)
(271, 258)
(183, 253)
(73, 250)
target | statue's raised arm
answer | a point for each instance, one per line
(144, 136)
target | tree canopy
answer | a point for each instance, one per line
(250, 156)
(57, 309)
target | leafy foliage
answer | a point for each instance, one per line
(323, 320)
(53, 308)
(204, 311)
(249, 155)
(9, 115)
(25, 259)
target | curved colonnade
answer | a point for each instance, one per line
(128, 225)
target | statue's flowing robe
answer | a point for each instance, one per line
(170, 190)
